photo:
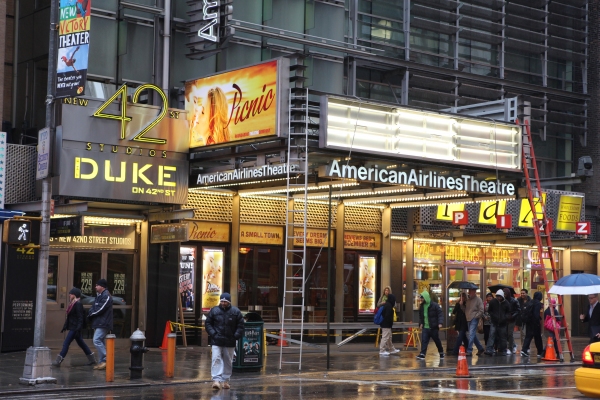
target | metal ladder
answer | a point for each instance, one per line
(295, 227)
(542, 230)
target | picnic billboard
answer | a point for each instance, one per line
(73, 47)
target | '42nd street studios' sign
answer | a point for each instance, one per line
(118, 150)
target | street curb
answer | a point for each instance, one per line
(123, 385)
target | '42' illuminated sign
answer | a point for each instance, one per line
(139, 136)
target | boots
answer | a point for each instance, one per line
(91, 359)
(59, 359)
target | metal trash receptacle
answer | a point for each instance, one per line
(249, 348)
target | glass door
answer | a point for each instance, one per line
(57, 298)
(454, 274)
(475, 275)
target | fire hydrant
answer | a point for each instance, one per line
(137, 351)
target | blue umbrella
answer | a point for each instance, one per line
(583, 284)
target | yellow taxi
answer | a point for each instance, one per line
(588, 376)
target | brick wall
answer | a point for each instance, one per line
(591, 187)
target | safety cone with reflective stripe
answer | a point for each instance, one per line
(462, 369)
(550, 353)
(164, 344)
(281, 342)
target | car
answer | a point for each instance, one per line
(588, 376)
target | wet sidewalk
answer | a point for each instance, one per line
(193, 365)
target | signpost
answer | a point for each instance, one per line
(43, 158)
(169, 233)
(64, 227)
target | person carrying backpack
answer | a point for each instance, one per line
(387, 347)
(531, 317)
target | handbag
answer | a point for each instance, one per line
(480, 325)
(549, 324)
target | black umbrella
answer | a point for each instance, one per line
(499, 286)
(462, 285)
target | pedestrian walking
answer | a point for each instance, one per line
(460, 323)
(101, 316)
(499, 310)
(431, 319)
(548, 332)
(386, 292)
(593, 317)
(387, 347)
(224, 324)
(473, 312)
(487, 320)
(515, 310)
(74, 322)
(523, 298)
(533, 323)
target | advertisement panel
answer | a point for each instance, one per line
(251, 346)
(212, 277)
(201, 231)
(236, 105)
(569, 212)
(362, 241)
(187, 266)
(366, 279)
(73, 47)
(261, 234)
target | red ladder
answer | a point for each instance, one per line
(542, 230)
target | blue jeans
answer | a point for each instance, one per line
(473, 336)
(99, 342)
(433, 334)
(462, 339)
(491, 340)
(74, 335)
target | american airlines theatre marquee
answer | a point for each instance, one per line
(122, 150)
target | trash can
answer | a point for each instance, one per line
(249, 349)
(451, 336)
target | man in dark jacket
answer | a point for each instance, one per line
(431, 319)
(593, 317)
(499, 311)
(386, 347)
(524, 298)
(101, 315)
(515, 310)
(225, 325)
(74, 324)
(533, 327)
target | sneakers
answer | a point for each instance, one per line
(469, 354)
(226, 385)
(101, 365)
(384, 354)
(421, 356)
(480, 352)
(514, 350)
(216, 385)
(539, 356)
(442, 355)
(57, 362)
(524, 354)
(508, 352)
(394, 351)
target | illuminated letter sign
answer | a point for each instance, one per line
(583, 228)
(490, 210)
(526, 216)
(460, 218)
(444, 212)
(569, 212)
(504, 221)
(210, 30)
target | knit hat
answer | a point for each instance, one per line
(103, 283)
(553, 302)
(225, 297)
(500, 293)
(76, 292)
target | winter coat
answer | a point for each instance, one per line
(499, 312)
(515, 309)
(101, 313)
(460, 318)
(224, 325)
(435, 315)
(388, 312)
(521, 305)
(536, 309)
(75, 318)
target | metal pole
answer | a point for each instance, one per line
(328, 274)
(166, 47)
(37, 360)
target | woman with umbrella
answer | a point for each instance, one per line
(460, 323)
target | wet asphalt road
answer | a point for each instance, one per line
(549, 383)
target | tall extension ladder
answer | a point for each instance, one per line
(295, 227)
(542, 230)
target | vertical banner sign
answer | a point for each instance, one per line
(251, 345)
(569, 212)
(2, 167)
(73, 47)
(366, 287)
(187, 266)
(212, 277)
(43, 158)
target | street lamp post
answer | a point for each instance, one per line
(38, 358)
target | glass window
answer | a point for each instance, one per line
(120, 278)
(87, 270)
(102, 58)
(267, 281)
(138, 63)
(317, 283)
(52, 278)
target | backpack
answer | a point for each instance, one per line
(378, 318)
(527, 312)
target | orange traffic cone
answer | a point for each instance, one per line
(281, 342)
(550, 353)
(163, 346)
(462, 369)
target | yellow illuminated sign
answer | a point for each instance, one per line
(362, 241)
(489, 210)
(444, 212)
(526, 216)
(569, 212)
(261, 234)
(314, 237)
